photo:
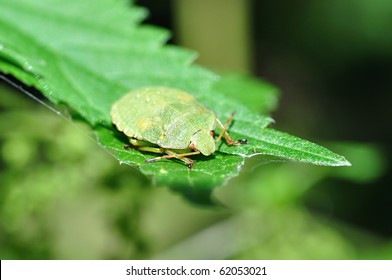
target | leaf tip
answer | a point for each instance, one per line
(343, 162)
(338, 161)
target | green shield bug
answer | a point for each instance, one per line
(168, 121)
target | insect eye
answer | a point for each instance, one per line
(192, 146)
(212, 133)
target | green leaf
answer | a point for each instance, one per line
(88, 55)
(279, 144)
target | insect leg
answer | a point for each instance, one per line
(172, 154)
(226, 135)
(151, 149)
(141, 145)
(224, 127)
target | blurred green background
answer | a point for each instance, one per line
(63, 197)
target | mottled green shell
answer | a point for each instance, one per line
(164, 116)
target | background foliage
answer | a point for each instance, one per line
(272, 211)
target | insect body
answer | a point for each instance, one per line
(168, 121)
